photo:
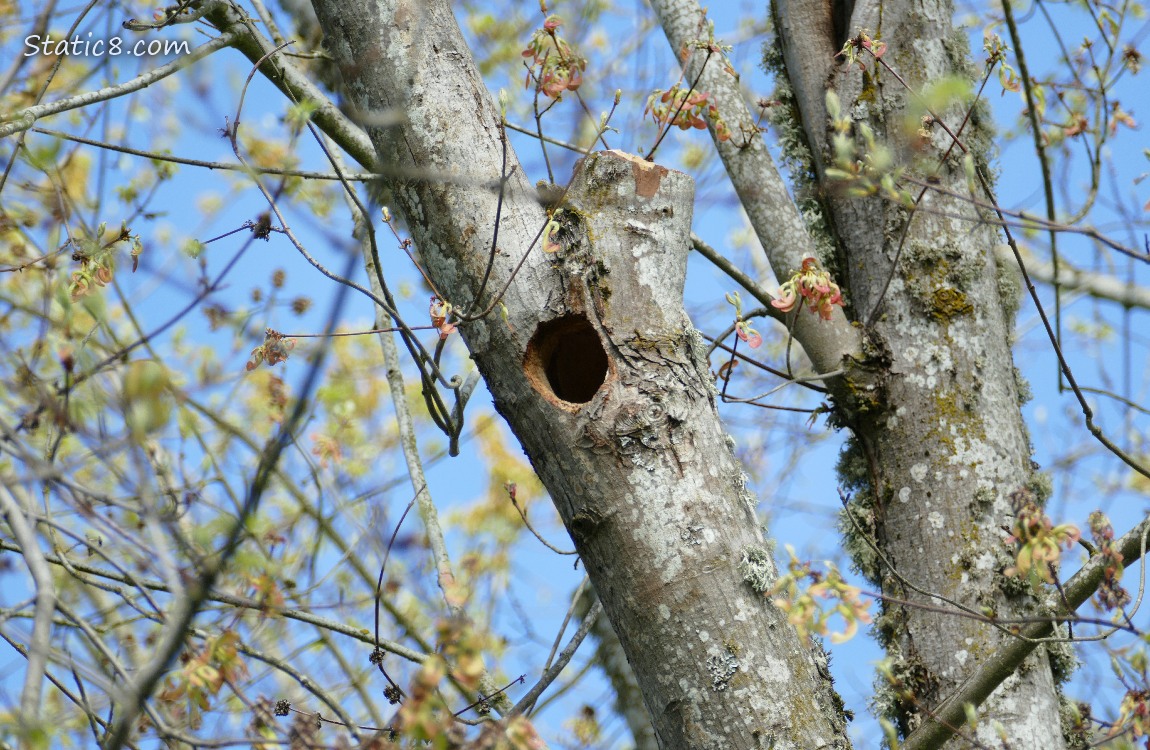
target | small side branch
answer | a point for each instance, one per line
(528, 700)
(1097, 285)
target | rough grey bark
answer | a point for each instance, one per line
(601, 376)
(936, 465)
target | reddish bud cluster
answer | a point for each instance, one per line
(812, 284)
(439, 311)
(1038, 539)
(555, 67)
(1110, 593)
(274, 350)
(854, 47)
(686, 109)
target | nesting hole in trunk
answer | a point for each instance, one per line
(566, 360)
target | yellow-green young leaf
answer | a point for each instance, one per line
(881, 158)
(943, 92)
(833, 173)
(1039, 95)
(35, 738)
(188, 422)
(147, 401)
(492, 513)
(585, 727)
(844, 149)
(192, 248)
(968, 167)
(94, 304)
(298, 114)
(890, 732)
(693, 156)
(44, 154)
(971, 715)
(888, 188)
(833, 107)
(63, 299)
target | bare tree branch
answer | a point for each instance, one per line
(1098, 285)
(528, 700)
(219, 597)
(45, 590)
(761, 190)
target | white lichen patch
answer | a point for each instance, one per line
(935, 520)
(904, 495)
(758, 568)
(918, 472)
(985, 561)
(976, 454)
(773, 672)
(664, 612)
(722, 667)
(961, 657)
(691, 535)
(668, 550)
(925, 363)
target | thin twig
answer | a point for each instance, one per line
(1064, 366)
(527, 701)
(739, 277)
(229, 166)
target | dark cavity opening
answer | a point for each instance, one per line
(566, 357)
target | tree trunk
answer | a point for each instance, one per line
(936, 468)
(599, 373)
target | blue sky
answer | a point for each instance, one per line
(791, 462)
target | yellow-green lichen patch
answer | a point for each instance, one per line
(947, 303)
(869, 90)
